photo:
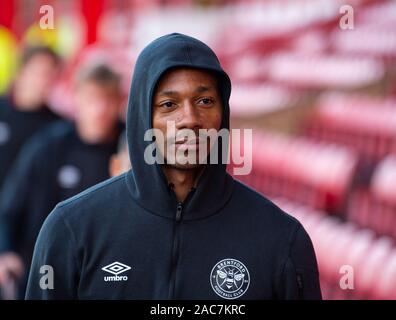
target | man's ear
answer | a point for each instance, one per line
(114, 166)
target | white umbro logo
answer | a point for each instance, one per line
(116, 268)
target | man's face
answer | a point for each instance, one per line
(189, 98)
(97, 110)
(36, 79)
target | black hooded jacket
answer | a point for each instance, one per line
(52, 166)
(16, 127)
(129, 237)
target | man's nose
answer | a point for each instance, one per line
(102, 107)
(189, 117)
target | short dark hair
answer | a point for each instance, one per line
(99, 74)
(30, 52)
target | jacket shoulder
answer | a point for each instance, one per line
(260, 208)
(97, 195)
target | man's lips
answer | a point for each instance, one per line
(192, 141)
(189, 144)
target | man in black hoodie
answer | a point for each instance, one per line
(173, 231)
(57, 163)
(23, 112)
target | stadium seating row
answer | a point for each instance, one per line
(353, 262)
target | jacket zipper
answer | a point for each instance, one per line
(175, 249)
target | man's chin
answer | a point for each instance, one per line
(187, 166)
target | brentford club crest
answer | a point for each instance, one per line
(230, 278)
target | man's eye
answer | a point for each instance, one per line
(205, 101)
(168, 104)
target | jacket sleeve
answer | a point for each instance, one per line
(18, 189)
(14, 196)
(54, 272)
(299, 279)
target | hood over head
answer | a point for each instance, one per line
(147, 183)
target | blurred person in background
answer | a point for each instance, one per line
(24, 110)
(8, 58)
(119, 162)
(56, 164)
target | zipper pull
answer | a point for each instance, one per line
(179, 209)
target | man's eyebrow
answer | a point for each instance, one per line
(199, 89)
(168, 93)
